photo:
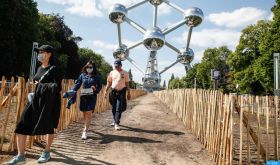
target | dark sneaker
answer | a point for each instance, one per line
(46, 156)
(19, 159)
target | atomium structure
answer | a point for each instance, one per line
(154, 39)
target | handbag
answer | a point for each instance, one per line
(86, 91)
(30, 95)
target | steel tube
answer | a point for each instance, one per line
(136, 5)
(155, 16)
(174, 6)
(174, 27)
(168, 67)
(189, 38)
(119, 34)
(172, 47)
(135, 45)
(135, 25)
(134, 63)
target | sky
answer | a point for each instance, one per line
(222, 25)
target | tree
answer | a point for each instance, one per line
(190, 77)
(172, 78)
(251, 65)
(213, 58)
(164, 85)
(18, 30)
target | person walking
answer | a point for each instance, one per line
(41, 114)
(118, 81)
(91, 87)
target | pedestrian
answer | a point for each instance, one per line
(118, 81)
(91, 87)
(41, 114)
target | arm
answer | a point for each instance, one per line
(109, 84)
(127, 80)
(78, 83)
(98, 83)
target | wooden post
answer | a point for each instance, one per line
(252, 133)
(7, 114)
(276, 128)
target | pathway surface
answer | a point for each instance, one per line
(150, 135)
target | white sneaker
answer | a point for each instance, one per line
(84, 135)
(117, 127)
(112, 124)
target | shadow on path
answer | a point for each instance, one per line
(109, 138)
(159, 132)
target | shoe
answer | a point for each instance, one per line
(45, 156)
(19, 159)
(117, 127)
(84, 135)
(112, 124)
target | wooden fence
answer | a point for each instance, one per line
(234, 129)
(13, 97)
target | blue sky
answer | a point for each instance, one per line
(222, 25)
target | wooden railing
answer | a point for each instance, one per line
(13, 97)
(234, 129)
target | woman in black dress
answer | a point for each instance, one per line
(41, 115)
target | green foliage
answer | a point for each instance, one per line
(251, 65)
(213, 58)
(18, 30)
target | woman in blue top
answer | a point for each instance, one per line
(91, 87)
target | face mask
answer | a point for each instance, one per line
(89, 70)
(41, 57)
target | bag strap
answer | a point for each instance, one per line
(45, 74)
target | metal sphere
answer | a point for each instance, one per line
(121, 53)
(156, 2)
(154, 39)
(186, 57)
(194, 16)
(117, 12)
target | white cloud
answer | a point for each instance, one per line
(98, 44)
(99, 8)
(211, 38)
(238, 18)
(86, 8)
(164, 9)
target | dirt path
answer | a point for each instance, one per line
(150, 135)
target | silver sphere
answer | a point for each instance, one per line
(186, 57)
(117, 12)
(154, 39)
(194, 16)
(156, 2)
(121, 53)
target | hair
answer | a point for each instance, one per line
(53, 60)
(84, 69)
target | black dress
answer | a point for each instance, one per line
(42, 115)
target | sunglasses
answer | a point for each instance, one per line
(90, 67)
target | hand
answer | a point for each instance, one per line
(93, 88)
(36, 82)
(128, 96)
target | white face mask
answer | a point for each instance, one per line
(89, 70)
(41, 57)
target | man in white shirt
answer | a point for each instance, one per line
(118, 81)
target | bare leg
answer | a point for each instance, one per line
(49, 142)
(87, 118)
(21, 141)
